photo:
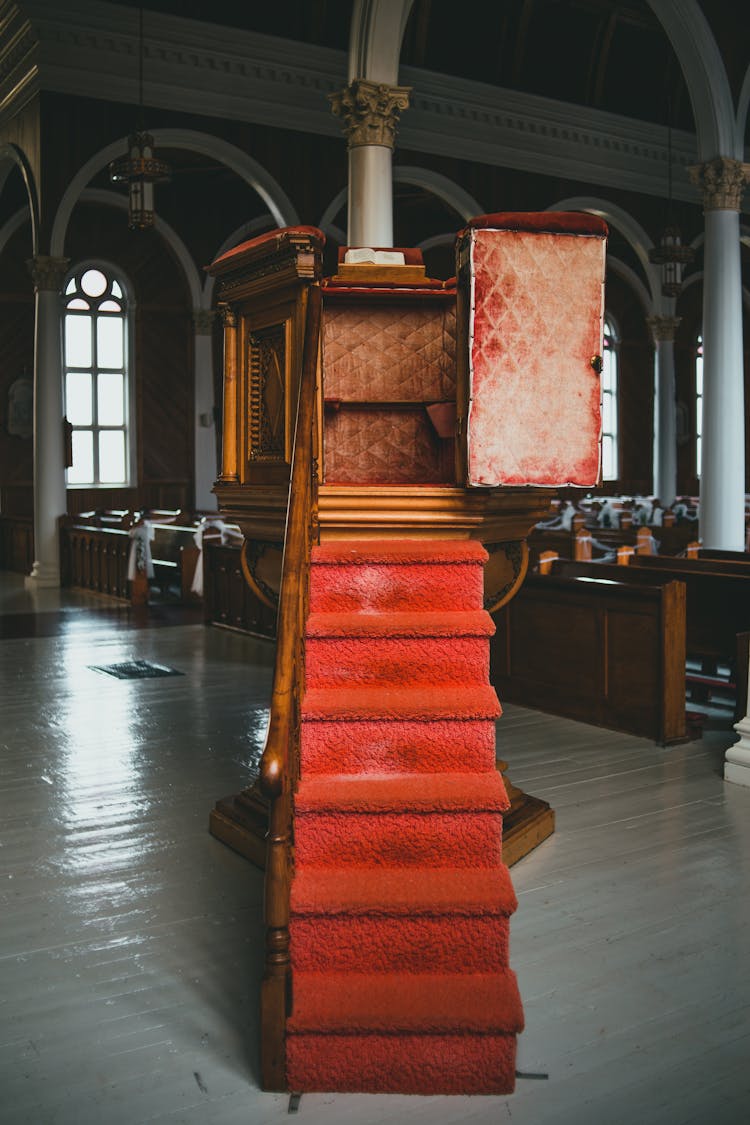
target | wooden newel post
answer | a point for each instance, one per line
(275, 987)
(230, 443)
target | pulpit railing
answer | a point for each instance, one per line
(279, 768)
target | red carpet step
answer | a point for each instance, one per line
(400, 901)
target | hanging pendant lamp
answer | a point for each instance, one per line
(139, 168)
(670, 254)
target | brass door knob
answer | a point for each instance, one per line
(597, 363)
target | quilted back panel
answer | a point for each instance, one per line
(383, 360)
(383, 351)
(536, 321)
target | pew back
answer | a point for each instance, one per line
(599, 650)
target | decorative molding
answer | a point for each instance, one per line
(228, 315)
(663, 328)
(48, 274)
(722, 181)
(371, 111)
(266, 365)
(83, 48)
(203, 321)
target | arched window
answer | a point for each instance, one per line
(610, 451)
(698, 404)
(97, 391)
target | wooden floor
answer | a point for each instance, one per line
(130, 940)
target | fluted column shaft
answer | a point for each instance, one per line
(205, 430)
(370, 111)
(722, 492)
(665, 420)
(50, 500)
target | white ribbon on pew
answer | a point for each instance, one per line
(139, 558)
(216, 528)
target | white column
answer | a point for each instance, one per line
(370, 111)
(665, 416)
(737, 757)
(722, 493)
(206, 469)
(49, 449)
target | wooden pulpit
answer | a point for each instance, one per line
(442, 410)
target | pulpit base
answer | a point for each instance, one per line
(241, 822)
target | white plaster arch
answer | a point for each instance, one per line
(698, 276)
(11, 155)
(631, 278)
(629, 228)
(375, 36)
(443, 239)
(332, 209)
(240, 234)
(743, 106)
(248, 169)
(13, 224)
(177, 246)
(444, 188)
(705, 76)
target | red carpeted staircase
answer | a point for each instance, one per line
(400, 903)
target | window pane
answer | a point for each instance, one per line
(78, 405)
(111, 456)
(110, 306)
(608, 465)
(109, 352)
(607, 414)
(82, 470)
(116, 290)
(71, 286)
(111, 399)
(94, 283)
(78, 303)
(77, 341)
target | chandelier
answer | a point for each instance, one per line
(671, 255)
(139, 168)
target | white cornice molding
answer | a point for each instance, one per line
(87, 49)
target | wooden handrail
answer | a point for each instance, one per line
(279, 767)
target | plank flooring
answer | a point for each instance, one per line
(131, 941)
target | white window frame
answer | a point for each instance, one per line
(698, 447)
(609, 382)
(113, 273)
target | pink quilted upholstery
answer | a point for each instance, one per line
(389, 351)
(534, 413)
(385, 447)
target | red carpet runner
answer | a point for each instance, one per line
(400, 903)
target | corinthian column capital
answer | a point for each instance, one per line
(663, 327)
(48, 273)
(370, 111)
(722, 181)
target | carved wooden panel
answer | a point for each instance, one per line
(266, 393)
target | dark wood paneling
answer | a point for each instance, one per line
(228, 599)
(610, 654)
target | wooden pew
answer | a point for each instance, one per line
(16, 543)
(94, 557)
(95, 550)
(608, 652)
(227, 598)
(174, 556)
(717, 597)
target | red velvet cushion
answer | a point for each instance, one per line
(427, 287)
(269, 236)
(548, 222)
